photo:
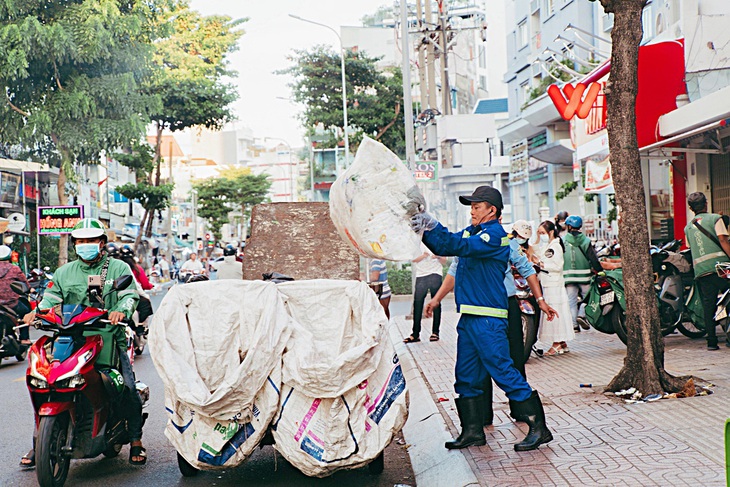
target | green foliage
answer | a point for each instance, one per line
(49, 252)
(376, 18)
(400, 280)
(374, 97)
(71, 73)
(234, 190)
(139, 160)
(190, 63)
(571, 186)
(152, 198)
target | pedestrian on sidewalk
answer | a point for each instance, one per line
(580, 261)
(559, 331)
(481, 298)
(707, 236)
(429, 271)
(560, 223)
(517, 259)
(379, 277)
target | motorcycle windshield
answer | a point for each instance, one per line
(63, 348)
(69, 312)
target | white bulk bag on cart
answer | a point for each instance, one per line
(372, 201)
(344, 395)
(217, 346)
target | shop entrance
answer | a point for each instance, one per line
(720, 183)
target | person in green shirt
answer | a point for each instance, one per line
(707, 237)
(70, 286)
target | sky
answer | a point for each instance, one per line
(270, 36)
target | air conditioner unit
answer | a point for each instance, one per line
(607, 22)
(534, 6)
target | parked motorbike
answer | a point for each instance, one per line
(722, 312)
(77, 409)
(528, 308)
(10, 345)
(606, 303)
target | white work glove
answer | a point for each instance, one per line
(423, 222)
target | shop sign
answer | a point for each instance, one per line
(426, 171)
(58, 220)
(16, 222)
(518, 161)
(597, 162)
(570, 101)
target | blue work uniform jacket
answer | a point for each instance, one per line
(483, 252)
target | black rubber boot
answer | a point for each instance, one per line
(487, 408)
(472, 431)
(532, 413)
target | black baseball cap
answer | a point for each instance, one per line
(487, 194)
(697, 200)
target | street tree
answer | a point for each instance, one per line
(71, 72)
(236, 189)
(152, 198)
(644, 363)
(374, 97)
(190, 68)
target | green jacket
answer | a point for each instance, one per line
(705, 252)
(579, 258)
(70, 283)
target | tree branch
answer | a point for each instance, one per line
(390, 124)
(55, 75)
(25, 114)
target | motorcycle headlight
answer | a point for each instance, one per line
(34, 358)
(38, 383)
(72, 382)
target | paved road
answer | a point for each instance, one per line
(264, 468)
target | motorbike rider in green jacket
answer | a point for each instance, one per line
(707, 237)
(580, 263)
(70, 286)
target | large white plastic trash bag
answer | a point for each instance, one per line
(344, 395)
(217, 346)
(372, 201)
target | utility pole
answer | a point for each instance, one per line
(445, 88)
(169, 210)
(422, 83)
(431, 59)
(407, 100)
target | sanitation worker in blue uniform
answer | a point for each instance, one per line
(482, 346)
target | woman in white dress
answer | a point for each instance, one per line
(559, 331)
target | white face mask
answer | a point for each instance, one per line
(544, 239)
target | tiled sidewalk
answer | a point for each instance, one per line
(598, 440)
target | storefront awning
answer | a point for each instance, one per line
(558, 152)
(663, 145)
(699, 113)
(20, 167)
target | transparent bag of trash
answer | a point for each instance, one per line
(372, 202)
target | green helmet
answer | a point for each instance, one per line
(89, 228)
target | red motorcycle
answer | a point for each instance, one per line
(77, 407)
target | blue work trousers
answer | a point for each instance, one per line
(482, 348)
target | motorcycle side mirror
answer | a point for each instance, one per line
(122, 282)
(19, 287)
(46, 268)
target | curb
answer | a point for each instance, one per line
(425, 431)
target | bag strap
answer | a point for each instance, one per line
(706, 233)
(104, 270)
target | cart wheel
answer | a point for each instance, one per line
(186, 469)
(376, 466)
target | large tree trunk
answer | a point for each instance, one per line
(644, 363)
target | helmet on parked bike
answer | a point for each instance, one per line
(574, 221)
(5, 252)
(229, 250)
(112, 249)
(89, 228)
